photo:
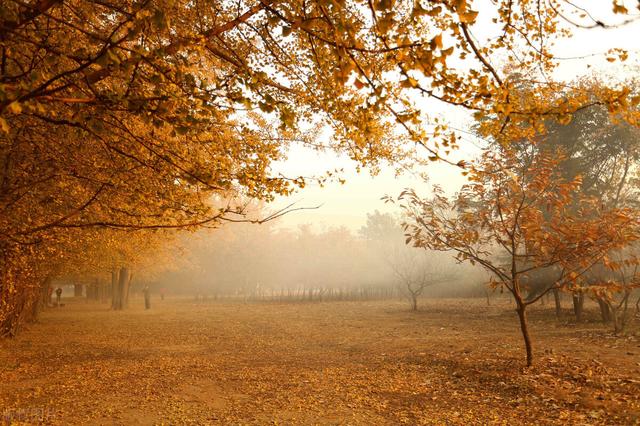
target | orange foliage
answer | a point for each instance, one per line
(514, 219)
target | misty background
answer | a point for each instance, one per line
(270, 261)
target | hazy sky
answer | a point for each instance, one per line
(348, 204)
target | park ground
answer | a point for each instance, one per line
(186, 362)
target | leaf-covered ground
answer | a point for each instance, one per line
(454, 362)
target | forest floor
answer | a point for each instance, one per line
(182, 362)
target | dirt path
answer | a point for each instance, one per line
(454, 362)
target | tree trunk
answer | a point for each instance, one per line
(617, 326)
(625, 312)
(147, 298)
(116, 295)
(619, 314)
(47, 291)
(605, 312)
(123, 288)
(42, 299)
(127, 286)
(524, 327)
(614, 315)
(108, 291)
(77, 290)
(556, 298)
(414, 302)
(97, 290)
(100, 290)
(578, 304)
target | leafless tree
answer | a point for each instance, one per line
(416, 270)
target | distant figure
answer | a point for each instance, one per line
(147, 297)
(50, 294)
(58, 296)
(162, 293)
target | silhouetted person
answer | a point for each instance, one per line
(147, 297)
(58, 296)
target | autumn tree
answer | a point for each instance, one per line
(602, 147)
(133, 115)
(526, 215)
(141, 96)
(605, 150)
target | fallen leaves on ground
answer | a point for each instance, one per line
(454, 362)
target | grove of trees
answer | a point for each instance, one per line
(556, 212)
(124, 121)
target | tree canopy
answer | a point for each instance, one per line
(135, 115)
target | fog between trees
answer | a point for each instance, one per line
(270, 262)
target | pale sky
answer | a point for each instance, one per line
(348, 204)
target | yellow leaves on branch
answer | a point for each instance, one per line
(619, 7)
(274, 55)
